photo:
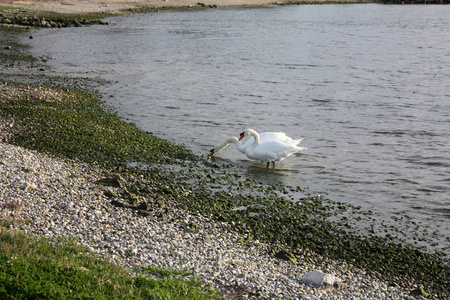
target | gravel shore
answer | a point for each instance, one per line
(61, 197)
(119, 6)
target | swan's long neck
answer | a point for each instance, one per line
(233, 140)
(257, 140)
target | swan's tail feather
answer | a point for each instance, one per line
(296, 142)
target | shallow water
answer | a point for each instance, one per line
(366, 86)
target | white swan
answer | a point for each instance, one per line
(269, 151)
(264, 136)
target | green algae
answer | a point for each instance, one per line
(81, 129)
(12, 53)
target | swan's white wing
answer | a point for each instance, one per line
(273, 150)
(268, 136)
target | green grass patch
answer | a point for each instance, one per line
(43, 268)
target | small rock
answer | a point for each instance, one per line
(28, 186)
(143, 206)
(29, 170)
(77, 176)
(14, 206)
(419, 291)
(285, 255)
(116, 181)
(67, 206)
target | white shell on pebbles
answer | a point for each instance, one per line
(58, 203)
(321, 280)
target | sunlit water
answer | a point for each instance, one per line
(366, 86)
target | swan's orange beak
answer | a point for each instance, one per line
(241, 136)
(212, 152)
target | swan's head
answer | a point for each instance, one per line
(245, 133)
(212, 152)
(242, 135)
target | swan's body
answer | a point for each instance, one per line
(269, 151)
(268, 136)
(264, 137)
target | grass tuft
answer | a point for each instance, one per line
(56, 268)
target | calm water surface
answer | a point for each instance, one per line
(367, 86)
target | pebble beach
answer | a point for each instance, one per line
(59, 197)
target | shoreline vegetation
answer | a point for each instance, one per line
(65, 118)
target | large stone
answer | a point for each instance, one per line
(322, 280)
